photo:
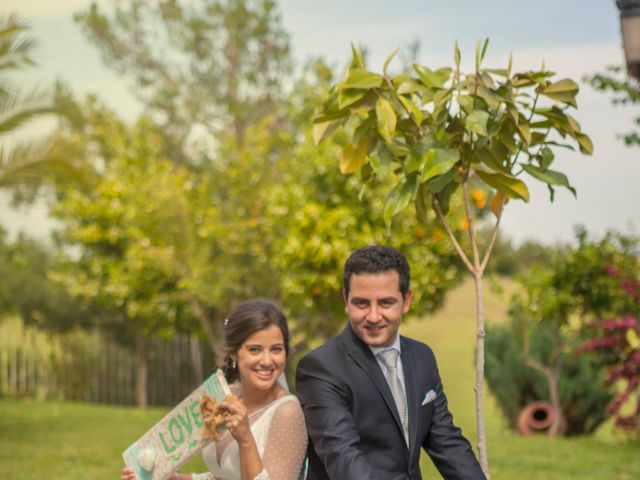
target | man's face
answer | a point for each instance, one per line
(375, 307)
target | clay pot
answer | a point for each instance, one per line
(535, 417)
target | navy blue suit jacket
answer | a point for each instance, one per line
(354, 426)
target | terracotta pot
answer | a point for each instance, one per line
(535, 417)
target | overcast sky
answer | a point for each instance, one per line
(573, 37)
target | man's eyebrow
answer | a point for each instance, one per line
(359, 299)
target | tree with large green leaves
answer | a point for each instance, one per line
(24, 164)
(314, 225)
(437, 135)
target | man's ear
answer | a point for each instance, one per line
(344, 298)
(407, 301)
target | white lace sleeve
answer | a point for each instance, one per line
(286, 444)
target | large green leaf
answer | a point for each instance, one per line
(349, 96)
(422, 204)
(550, 177)
(564, 91)
(381, 160)
(476, 122)
(324, 130)
(430, 78)
(386, 119)
(412, 108)
(524, 131)
(400, 197)
(546, 157)
(438, 184)
(363, 130)
(465, 102)
(353, 156)
(586, 146)
(388, 60)
(508, 185)
(439, 161)
(360, 78)
(357, 58)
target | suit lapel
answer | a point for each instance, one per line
(410, 368)
(363, 357)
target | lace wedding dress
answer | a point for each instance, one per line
(281, 438)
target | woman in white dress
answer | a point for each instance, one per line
(266, 437)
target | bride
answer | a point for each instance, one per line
(265, 436)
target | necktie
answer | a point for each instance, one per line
(390, 360)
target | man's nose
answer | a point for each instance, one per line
(374, 314)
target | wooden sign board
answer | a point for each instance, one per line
(177, 438)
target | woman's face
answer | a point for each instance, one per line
(261, 358)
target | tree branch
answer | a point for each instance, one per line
(492, 241)
(470, 228)
(456, 245)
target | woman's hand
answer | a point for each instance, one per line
(127, 474)
(238, 420)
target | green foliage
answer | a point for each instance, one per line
(202, 69)
(511, 261)
(625, 92)
(440, 128)
(25, 164)
(27, 290)
(278, 220)
(131, 227)
(315, 222)
(583, 397)
(555, 314)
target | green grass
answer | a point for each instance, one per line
(82, 441)
(70, 441)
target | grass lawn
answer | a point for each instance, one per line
(85, 441)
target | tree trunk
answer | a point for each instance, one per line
(482, 440)
(142, 369)
(196, 359)
(213, 339)
(559, 421)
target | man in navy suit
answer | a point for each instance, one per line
(371, 397)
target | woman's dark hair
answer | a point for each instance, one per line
(377, 259)
(248, 318)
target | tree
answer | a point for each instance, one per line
(25, 164)
(200, 68)
(315, 226)
(27, 290)
(134, 231)
(436, 135)
(576, 321)
(626, 92)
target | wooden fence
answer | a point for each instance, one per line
(92, 367)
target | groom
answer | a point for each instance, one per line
(372, 398)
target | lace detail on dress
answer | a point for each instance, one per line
(263, 475)
(281, 437)
(286, 444)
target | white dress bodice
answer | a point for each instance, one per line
(226, 464)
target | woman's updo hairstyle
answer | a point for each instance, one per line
(248, 318)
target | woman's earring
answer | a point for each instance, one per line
(233, 365)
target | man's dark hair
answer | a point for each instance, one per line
(377, 259)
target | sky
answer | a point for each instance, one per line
(572, 37)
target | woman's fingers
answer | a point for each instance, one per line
(127, 474)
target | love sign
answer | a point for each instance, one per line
(177, 438)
